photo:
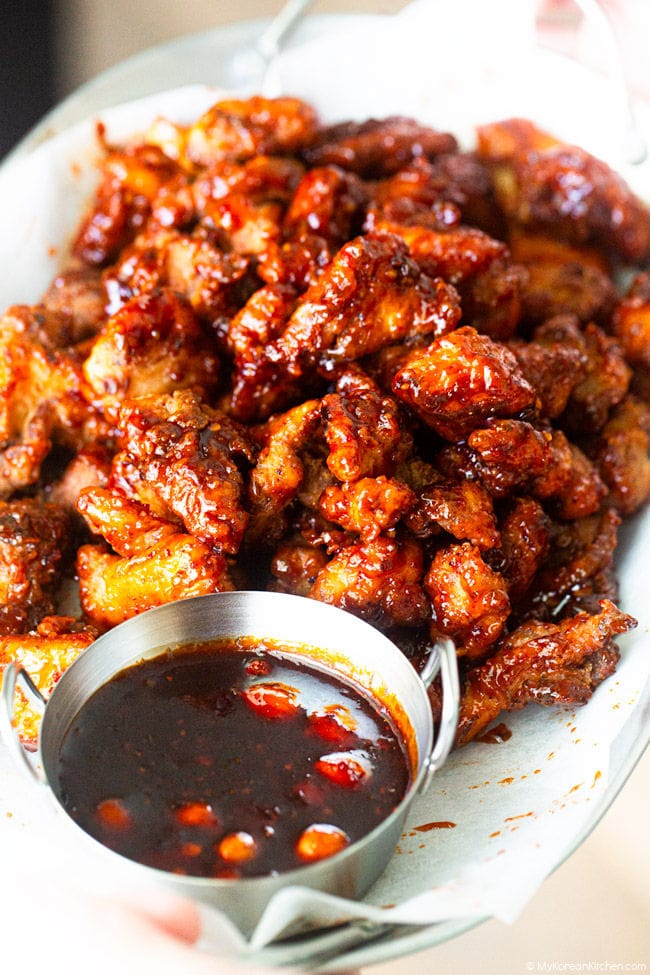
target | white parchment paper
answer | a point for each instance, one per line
(516, 808)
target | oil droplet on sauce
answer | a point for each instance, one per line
(496, 735)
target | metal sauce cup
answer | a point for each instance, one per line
(331, 639)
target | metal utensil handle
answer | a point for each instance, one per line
(13, 674)
(270, 40)
(443, 659)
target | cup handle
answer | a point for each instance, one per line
(13, 675)
(442, 659)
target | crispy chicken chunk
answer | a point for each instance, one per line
(462, 508)
(469, 600)
(631, 325)
(544, 662)
(371, 295)
(379, 580)
(280, 470)
(41, 399)
(562, 279)
(45, 653)
(460, 381)
(132, 178)
(156, 562)
(378, 147)
(621, 455)
(524, 546)
(478, 266)
(34, 550)
(547, 185)
(151, 346)
(184, 457)
(365, 430)
(239, 129)
(369, 506)
(78, 296)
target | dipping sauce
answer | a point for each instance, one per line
(228, 759)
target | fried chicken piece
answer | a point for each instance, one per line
(258, 385)
(416, 194)
(45, 654)
(245, 203)
(571, 480)
(113, 589)
(128, 526)
(213, 279)
(239, 129)
(298, 262)
(462, 508)
(34, 549)
(621, 456)
(295, 565)
(151, 346)
(546, 185)
(365, 430)
(278, 475)
(260, 321)
(631, 324)
(210, 277)
(155, 563)
(541, 662)
(379, 580)
(553, 369)
(511, 453)
(524, 532)
(372, 294)
(328, 202)
(460, 381)
(186, 456)
(41, 399)
(78, 296)
(469, 600)
(562, 279)
(605, 379)
(377, 147)
(131, 179)
(579, 552)
(370, 506)
(91, 467)
(139, 269)
(478, 266)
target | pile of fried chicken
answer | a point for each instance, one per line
(351, 362)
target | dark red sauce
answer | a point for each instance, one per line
(224, 760)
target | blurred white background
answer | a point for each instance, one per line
(596, 907)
